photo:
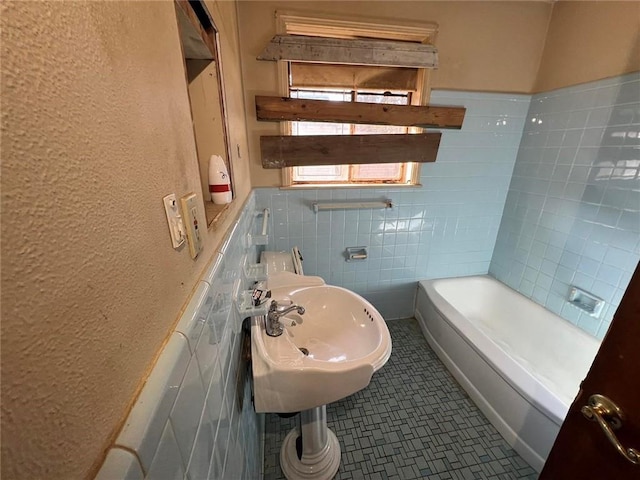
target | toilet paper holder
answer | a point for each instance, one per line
(356, 253)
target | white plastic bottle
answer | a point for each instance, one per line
(219, 181)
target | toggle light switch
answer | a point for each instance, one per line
(174, 219)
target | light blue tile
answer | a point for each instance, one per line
(618, 258)
(193, 319)
(167, 464)
(540, 295)
(570, 313)
(147, 420)
(588, 266)
(544, 281)
(581, 172)
(629, 220)
(589, 324)
(526, 288)
(186, 413)
(555, 303)
(603, 290)
(628, 93)
(583, 281)
(202, 453)
(602, 329)
(610, 275)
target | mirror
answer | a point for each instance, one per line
(199, 39)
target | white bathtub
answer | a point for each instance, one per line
(521, 364)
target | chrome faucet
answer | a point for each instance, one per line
(273, 325)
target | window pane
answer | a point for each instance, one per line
(378, 171)
(397, 99)
(334, 96)
(324, 173)
(320, 128)
(377, 129)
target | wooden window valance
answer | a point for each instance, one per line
(390, 53)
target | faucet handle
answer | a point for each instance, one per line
(275, 304)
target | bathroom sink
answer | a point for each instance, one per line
(324, 355)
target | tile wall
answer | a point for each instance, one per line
(194, 418)
(572, 216)
(445, 228)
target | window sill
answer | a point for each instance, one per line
(350, 186)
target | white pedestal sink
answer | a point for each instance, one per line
(325, 355)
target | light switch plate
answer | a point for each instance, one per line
(174, 219)
(190, 214)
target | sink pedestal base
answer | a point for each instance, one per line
(316, 455)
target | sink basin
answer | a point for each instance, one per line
(326, 354)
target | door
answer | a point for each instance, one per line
(582, 449)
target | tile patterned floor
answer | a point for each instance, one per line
(413, 421)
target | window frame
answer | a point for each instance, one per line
(344, 27)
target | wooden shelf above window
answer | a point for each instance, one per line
(360, 51)
(293, 109)
(291, 151)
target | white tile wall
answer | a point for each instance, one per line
(188, 422)
(445, 228)
(572, 215)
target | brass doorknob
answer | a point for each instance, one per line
(609, 416)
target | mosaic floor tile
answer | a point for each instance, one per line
(413, 421)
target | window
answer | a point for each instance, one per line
(388, 173)
(355, 84)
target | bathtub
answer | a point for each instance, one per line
(521, 364)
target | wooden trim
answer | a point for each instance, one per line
(224, 110)
(207, 35)
(293, 109)
(328, 25)
(388, 53)
(291, 151)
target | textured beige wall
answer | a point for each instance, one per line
(96, 130)
(589, 41)
(483, 46)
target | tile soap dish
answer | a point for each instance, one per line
(586, 301)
